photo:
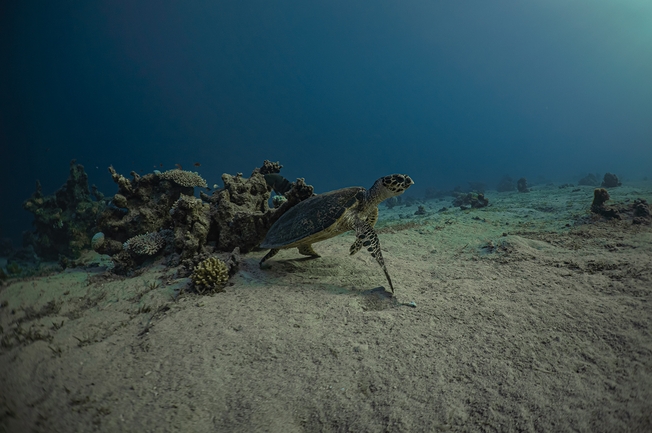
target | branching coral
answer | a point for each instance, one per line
(210, 275)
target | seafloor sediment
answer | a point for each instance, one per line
(530, 314)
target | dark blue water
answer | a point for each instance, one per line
(340, 92)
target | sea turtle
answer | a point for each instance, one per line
(324, 216)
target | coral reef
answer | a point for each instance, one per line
(472, 199)
(610, 181)
(521, 185)
(210, 275)
(158, 213)
(589, 180)
(506, 184)
(64, 222)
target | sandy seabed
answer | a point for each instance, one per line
(516, 317)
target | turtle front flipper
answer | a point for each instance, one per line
(355, 247)
(366, 237)
(373, 218)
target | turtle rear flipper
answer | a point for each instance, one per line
(366, 237)
(307, 250)
(271, 253)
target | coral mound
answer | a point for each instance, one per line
(210, 275)
(600, 196)
(472, 199)
(610, 181)
(184, 178)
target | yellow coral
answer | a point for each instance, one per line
(210, 274)
(184, 178)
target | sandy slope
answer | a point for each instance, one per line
(520, 324)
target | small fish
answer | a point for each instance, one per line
(178, 166)
(197, 164)
(160, 165)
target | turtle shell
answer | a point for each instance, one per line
(311, 216)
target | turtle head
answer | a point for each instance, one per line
(390, 186)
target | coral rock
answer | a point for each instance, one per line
(191, 219)
(610, 181)
(600, 196)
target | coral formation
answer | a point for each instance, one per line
(191, 219)
(472, 199)
(141, 205)
(521, 185)
(421, 210)
(600, 196)
(184, 178)
(589, 180)
(610, 181)
(240, 214)
(158, 212)
(64, 222)
(210, 275)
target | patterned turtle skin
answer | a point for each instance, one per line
(324, 216)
